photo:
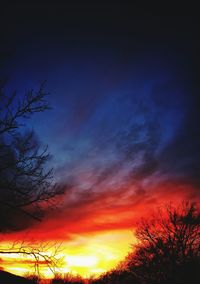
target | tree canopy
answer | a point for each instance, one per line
(169, 246)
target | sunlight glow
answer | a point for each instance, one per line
(82, 261)
(86, 255)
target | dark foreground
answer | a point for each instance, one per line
(9, 278)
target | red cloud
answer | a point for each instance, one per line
(91, 211)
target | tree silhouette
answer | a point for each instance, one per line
(26, 184)
(169, 246)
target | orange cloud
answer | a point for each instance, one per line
(114, 209)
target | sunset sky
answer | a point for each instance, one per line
(123, 130)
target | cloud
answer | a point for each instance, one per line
(90, 212)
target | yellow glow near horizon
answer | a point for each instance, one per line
(86, 255)
(82, 261)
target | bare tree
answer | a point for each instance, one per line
(46, 254)
(169, 246)
(26, 183)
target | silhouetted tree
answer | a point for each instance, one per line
(25, 183)
(169, 246)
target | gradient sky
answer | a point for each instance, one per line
(124, 126)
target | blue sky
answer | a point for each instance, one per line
(97, 102)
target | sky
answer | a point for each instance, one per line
(123, 130)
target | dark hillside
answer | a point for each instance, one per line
(9, 278)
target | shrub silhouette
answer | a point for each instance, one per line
(67, 279)
(117, 276)
(34, 279)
